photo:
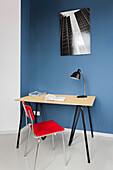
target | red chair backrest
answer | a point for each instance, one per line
(28, 110)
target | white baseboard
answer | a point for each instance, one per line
(107, 135)
(7, 132)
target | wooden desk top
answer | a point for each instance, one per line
(69, 100)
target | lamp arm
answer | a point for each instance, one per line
(84, 84)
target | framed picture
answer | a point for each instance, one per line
(75, 32)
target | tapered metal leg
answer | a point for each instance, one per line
(85, 135)
(71, 136)
(74, 126)
(76, 122)
(42, 113)
(53, 142)
(64, 149)
(38, 141)
(20, 124)
(36, 112)
(25, 153)
(90, 122)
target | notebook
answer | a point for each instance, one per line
(54, 98)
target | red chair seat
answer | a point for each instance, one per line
(46, 128)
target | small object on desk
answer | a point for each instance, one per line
(54, 98)
(36, 93)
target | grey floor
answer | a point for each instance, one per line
(101, 153)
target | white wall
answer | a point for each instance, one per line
(9, 64)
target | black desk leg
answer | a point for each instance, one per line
(75, 126)
(42, 112)
(90, 122)
(18, 138)
(36, 112)
(72, 130)
(85, 135)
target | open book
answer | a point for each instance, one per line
(53, 97)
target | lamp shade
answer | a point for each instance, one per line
(76, 75)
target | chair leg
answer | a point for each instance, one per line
(53, 142)
(25, 153)
(64, 149)
(38, 141)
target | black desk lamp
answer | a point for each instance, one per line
(76, 75)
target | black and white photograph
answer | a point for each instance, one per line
(75, 32)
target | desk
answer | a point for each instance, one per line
(69, 100)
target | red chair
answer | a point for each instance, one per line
(42, 129)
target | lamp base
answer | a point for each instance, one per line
(82, 96)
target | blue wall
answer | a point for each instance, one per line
(25, 26)
(25, 20)
(50, 72)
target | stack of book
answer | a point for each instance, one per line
(36, 93)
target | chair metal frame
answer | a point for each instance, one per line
(39, 139)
